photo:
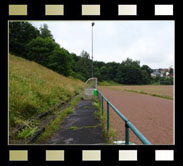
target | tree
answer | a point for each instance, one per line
(129, 72)
(85, 55)
(20, 34)
(45, 32)
(40, 50)
(97, 73)
(83, 65)
(146, 74)
(145, 78)
(171, 70)
(147, 69)
(104, 73)
(98, 64)
(60, 61)
(112, 70)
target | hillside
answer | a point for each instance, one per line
(33, 89)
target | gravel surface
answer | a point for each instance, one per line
(163, 90)
(152, 116)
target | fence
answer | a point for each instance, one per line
(128, 124)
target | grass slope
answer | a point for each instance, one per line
(33, 89)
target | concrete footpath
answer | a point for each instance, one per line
(80, 127)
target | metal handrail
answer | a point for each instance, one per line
(128, 124)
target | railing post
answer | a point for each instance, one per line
(107, 116)
(127, 136)
(102, 106)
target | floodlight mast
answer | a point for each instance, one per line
(92, 46)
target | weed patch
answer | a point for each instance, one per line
(27, 132)
(74, 128)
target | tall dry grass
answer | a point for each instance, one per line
(33, 89)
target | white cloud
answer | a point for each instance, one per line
(151, 42)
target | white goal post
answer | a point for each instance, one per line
(89, 87)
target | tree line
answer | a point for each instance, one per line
(39, 45)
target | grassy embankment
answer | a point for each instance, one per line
(33, 90)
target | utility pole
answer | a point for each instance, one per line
(92, 46)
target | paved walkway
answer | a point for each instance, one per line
(81, 127)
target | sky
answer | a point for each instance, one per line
(150, 42)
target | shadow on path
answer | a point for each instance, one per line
(80, 127)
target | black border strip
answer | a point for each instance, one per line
(72, 11)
